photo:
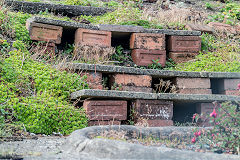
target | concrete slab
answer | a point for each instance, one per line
(113, 28)
(174, 32)
(152, 72)
(64, 24)
(120, 28)
(112, 94)
(68, 10)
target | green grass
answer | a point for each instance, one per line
(218, 55)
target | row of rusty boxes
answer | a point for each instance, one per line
(148, 84)
(146, 113)
(145, 47)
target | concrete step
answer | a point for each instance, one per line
(111, 94)
(104, 107)
(66, 10)
(151, 72)
(112, 28)
(146, 44)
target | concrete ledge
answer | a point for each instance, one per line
(113, 28)
(64, 24)
(121, 28)
(68, 10)
(174, 32)
(112, 94)
(86, 93)
(152, 72)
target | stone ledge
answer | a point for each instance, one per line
(91, 93)
(69, 10)
(112, 94)
(120, 28)
(64, 24)
(114, 28)
(152, 72)
(174, 32)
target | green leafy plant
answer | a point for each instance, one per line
(170, 64)
(225, 135)
(116, 86)
(112, 4)
(94, 3)
(144, 23)
(120, 57)
(3, 113)
(223, 56)
(176, 26)
(69, 48)
(13, 25)
(105, 82)
(155, 65)
(4, 46)
(208, 42)
(123, 13)
(208, 5)
(213, 62)
(132, 116)
(229, 14)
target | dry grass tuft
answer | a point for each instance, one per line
(43, 52)
(95, 54)
(173, 15)
(165, 87)
(113, 134)
(142, 121)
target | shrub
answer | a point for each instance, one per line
(217, 56)
(212, 62)
(44, 113)
(225, 135)
(208, 5)
(208, 42)
(36, 95)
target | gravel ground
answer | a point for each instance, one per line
(31, 147)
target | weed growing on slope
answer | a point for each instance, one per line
(13, 25)
(218, 55)
(144, 23)
(123, 13)
(230, 14)
(35, 95)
